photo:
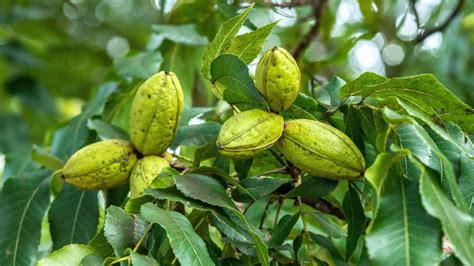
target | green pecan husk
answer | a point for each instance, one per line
(278, 77)
(156, 112)
(246, 134)
(101, 165)
(321, 150)
(144, 172)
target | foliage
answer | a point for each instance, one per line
(416, 196)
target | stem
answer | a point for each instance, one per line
(277, 157)
(361, 194)
(277, 215)
(120, 260)
(142, 238)
(282, 170)
(265, 213)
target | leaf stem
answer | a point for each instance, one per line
(143, 237)
(265, 213)
(126, 258)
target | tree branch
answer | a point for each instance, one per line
(317, 7)
(291, 4)
(427, 32)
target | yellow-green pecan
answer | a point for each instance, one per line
(248, 133)
(156, 111)
(144, 172)
(278, 78)
(321, 150)
(101, 165)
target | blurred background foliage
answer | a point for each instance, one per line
(55, 54)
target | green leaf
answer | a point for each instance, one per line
(185, 34)
(205, 189)
(354, 213)
(379, 170)
(457, 225)
(46, 159)
(466, 182)
(247, 46)
(242, 167)
(71, 137)
(187, 246)
(356, 86)
(313, 187)
(327, 244)
(23, 203)
(304, 107)
(327, 224)
(258, 187)
(100, 245)
(140, 65)
(73, 216)
(330, 91)
(402, 232)
(437, 129)
(283, 229)
(224, 36)
(233, 74)
(464, 120)
(106, 130)
(415, 138)
(210, 191)
(142, 260)
(121, 229)
(423, 92)
(68, 255)
(196, 135)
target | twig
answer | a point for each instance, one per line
(427, 32)
(265, 212)
(277, 215)
(291, 4)
(282, 170)
(417, 17)
(277, 157)
(324, 206)
(317, 7)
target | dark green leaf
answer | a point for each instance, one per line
(313, 187)
(304, 107)
(283, 229)
(121, 229)
(205, 189)
(233, 75)
(23, 203)
(188, 247)
(327, 224)
(354, 213)
(242, 167)
(100, 245)
(258, 187)
(73, 216)
(196, 135)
